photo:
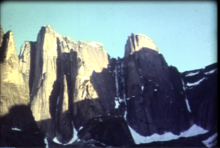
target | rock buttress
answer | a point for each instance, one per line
(85, 94)
(151, 97)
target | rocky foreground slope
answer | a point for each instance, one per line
(73, 94)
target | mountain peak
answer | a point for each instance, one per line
(138, 41)
(47, 26)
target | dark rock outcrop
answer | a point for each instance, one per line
(201, 90)
(156, 99)
(112, 131)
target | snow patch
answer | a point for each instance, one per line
(116, 104)
(15, 129)
(46, 142)
(210, 142)
(121, 100)
(192, 131)
(56, 140)
(192, 74)
(81, 127)
(187, 104)
(155, 89)
(125, 115)
(75, 132)
(195, 83)
(183, 85)
(142, 87)
(210, 72)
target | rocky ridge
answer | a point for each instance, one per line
(81, 96)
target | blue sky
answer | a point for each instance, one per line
(184, 32)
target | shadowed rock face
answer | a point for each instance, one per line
(156, 104)
(202, 84)
(115, 127)
(77, 91)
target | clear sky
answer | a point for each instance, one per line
(184, 32)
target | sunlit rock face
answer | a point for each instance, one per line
(69, 82)
(26, 62)
(1, 40)
(136, 42)
(16, 119)
(14, 91)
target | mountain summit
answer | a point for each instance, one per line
(137, 42)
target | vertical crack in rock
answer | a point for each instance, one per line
(27, 63)
(120, 84)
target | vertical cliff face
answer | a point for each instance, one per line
(13, 88)
(94, 86)
(27, 62)
(153, 104)
(76, 91)
(2, 51)
(202, 84)
(16, 120)
(66, 82)
(1, 40)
